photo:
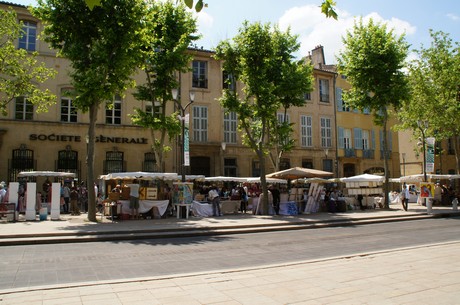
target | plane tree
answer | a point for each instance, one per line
(373, 59)
(260, 57)
(102, 46)
(169, 31)
(434, 79)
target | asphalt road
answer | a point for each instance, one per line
(66, 264)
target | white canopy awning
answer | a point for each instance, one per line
(46, 174)
(225, 179)
(140, 176)
(363, 178)
(420, 177)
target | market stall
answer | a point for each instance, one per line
(367, 188)
(151, 192)
(52, 203)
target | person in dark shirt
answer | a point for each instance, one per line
(276, 198)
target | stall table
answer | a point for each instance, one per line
(145, 206)
(204, 208)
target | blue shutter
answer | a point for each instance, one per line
(339, 101)
(358, 134)
(341, 142)
(373, 139)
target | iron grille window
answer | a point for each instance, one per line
(113, 162)
(23, 159)
(67, 160)
(150, 162)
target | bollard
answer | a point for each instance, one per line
(454, 204)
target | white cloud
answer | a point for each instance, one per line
(453, 17)
(315, 29)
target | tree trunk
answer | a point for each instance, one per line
(263, 182)
(90, 162)
(386, 185)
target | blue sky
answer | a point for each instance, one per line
(222, 19)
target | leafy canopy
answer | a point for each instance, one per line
(20, 72)
(373, 61)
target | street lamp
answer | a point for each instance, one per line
(404, 163)
(326, 164)
(185, 161)
(223, 145)
(423, 126)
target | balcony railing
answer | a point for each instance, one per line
(350, 152)
(368, 154)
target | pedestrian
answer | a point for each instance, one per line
(74, 202)
(66, 195)
(276, 198)
(360, 201)
(213, 196)
(134, 199)
(405, 197)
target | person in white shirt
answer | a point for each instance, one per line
(213, 196)
(134, 199)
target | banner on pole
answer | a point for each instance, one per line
(429, 167)
(186, 141)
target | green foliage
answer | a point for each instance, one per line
(198, 6)
(373, 61)
(327, 8)
(169, 30)
(434, 80)
(92, 3)
(102, 44)
(260, 57)
(20, 73)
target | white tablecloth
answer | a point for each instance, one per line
(204, 209)
(145, 206)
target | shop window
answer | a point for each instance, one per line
(307, 163)
(230, 167)
(200, 166)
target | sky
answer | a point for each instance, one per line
(413, 18)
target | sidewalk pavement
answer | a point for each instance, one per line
(419, 275)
